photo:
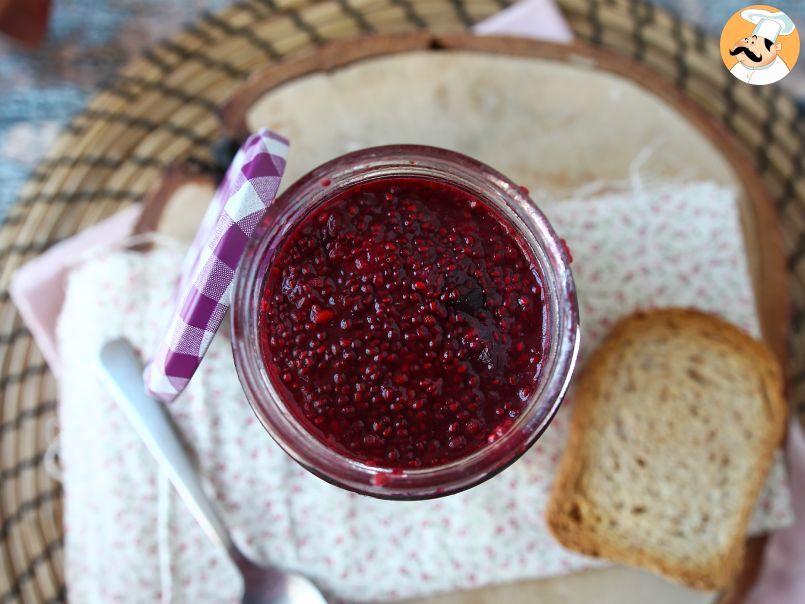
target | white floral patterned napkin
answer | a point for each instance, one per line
(130, 538)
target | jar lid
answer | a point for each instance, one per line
(205, 288)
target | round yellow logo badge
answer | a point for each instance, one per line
(760, 45)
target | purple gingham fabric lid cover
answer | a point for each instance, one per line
(205, 289)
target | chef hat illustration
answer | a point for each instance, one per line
(769, 25)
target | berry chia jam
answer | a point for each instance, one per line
(404, 319)
(404, 322)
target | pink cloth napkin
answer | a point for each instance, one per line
(537, 19)
(782, 576)
(37, 288)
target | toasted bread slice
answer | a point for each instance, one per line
(675, 423)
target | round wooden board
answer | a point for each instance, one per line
(409, 88)
(446, 91)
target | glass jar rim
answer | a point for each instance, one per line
(561, 307)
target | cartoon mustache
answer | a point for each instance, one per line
(742, 49)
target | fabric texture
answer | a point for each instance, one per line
(205, 283)
(782, 575)
(130, 538)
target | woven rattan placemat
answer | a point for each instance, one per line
(164, 107)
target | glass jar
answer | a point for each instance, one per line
(561, 320)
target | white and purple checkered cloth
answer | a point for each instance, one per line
(205, 289)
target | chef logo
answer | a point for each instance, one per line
(760, 45)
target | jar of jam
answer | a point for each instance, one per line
(404, 322)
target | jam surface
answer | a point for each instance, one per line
(402, 322)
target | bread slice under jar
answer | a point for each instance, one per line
(675, 423)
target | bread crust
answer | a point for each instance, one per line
(567, 506)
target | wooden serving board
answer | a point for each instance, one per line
(551, 117)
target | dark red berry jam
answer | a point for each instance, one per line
(404, 318)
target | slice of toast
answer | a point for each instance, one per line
(675, 423)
